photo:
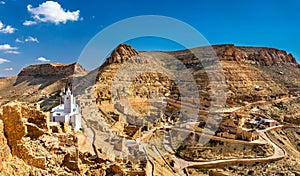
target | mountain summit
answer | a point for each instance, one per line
(121, 54)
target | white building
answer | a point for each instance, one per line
(68, 112)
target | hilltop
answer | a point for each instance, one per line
(39, 83)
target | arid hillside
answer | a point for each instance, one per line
(250, 74)
(39, 84)
(255, 80)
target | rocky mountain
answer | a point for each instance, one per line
(121, 54)
(251, 74)
(49, 71)
(255, 79)
(39, 83)
(255, 55)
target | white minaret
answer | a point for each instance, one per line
(68, 102)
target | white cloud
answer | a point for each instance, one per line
(31, 39)
(42, 59)
(6, 29)
(12, 52)
(19, 40)
(9, 49)
(28, 39)
(52, 12)
(8, 69)
(2, 61)
(6, 47)
(2, 2)
(29, 23)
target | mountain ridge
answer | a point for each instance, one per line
(223, 51)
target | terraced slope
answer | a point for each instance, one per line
(251, 74)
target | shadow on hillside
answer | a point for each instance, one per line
(42, 81)
(80, 84)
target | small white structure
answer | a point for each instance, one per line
(68, 112)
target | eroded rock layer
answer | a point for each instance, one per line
(239, 71)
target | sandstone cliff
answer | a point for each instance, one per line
(251, 73)
(121, 54)
(39, 84)
(49, 71)
(255, 55)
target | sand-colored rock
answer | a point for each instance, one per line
(15, 129)
(257, 55)
(4, 148)
(33, 143)
(217, 173)
(121, 54)
(49, 71)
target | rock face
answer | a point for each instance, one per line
(47, 71)
(52, 70)
(107, 72)
(4, 148)
(139, 92)
(251, 73)
(244, 69)
(39, 84)
(121, 54)
(27, 133)
(255, 55)
(16, 131)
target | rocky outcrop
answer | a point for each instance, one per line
(251, 73)
(39, 84)
(37, 150)
(15, 129)
(49, 71)
(33, 131)
(107, 72)
(141, 88)
(27, 133)
(121, 54)
(255, 55)
(60, 70)
(4, 148)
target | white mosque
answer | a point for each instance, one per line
(68, 112)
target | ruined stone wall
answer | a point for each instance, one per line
(4, 148)
(15, 130)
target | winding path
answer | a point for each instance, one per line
(181, 164)
(279, 153)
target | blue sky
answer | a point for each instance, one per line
(36, 31)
